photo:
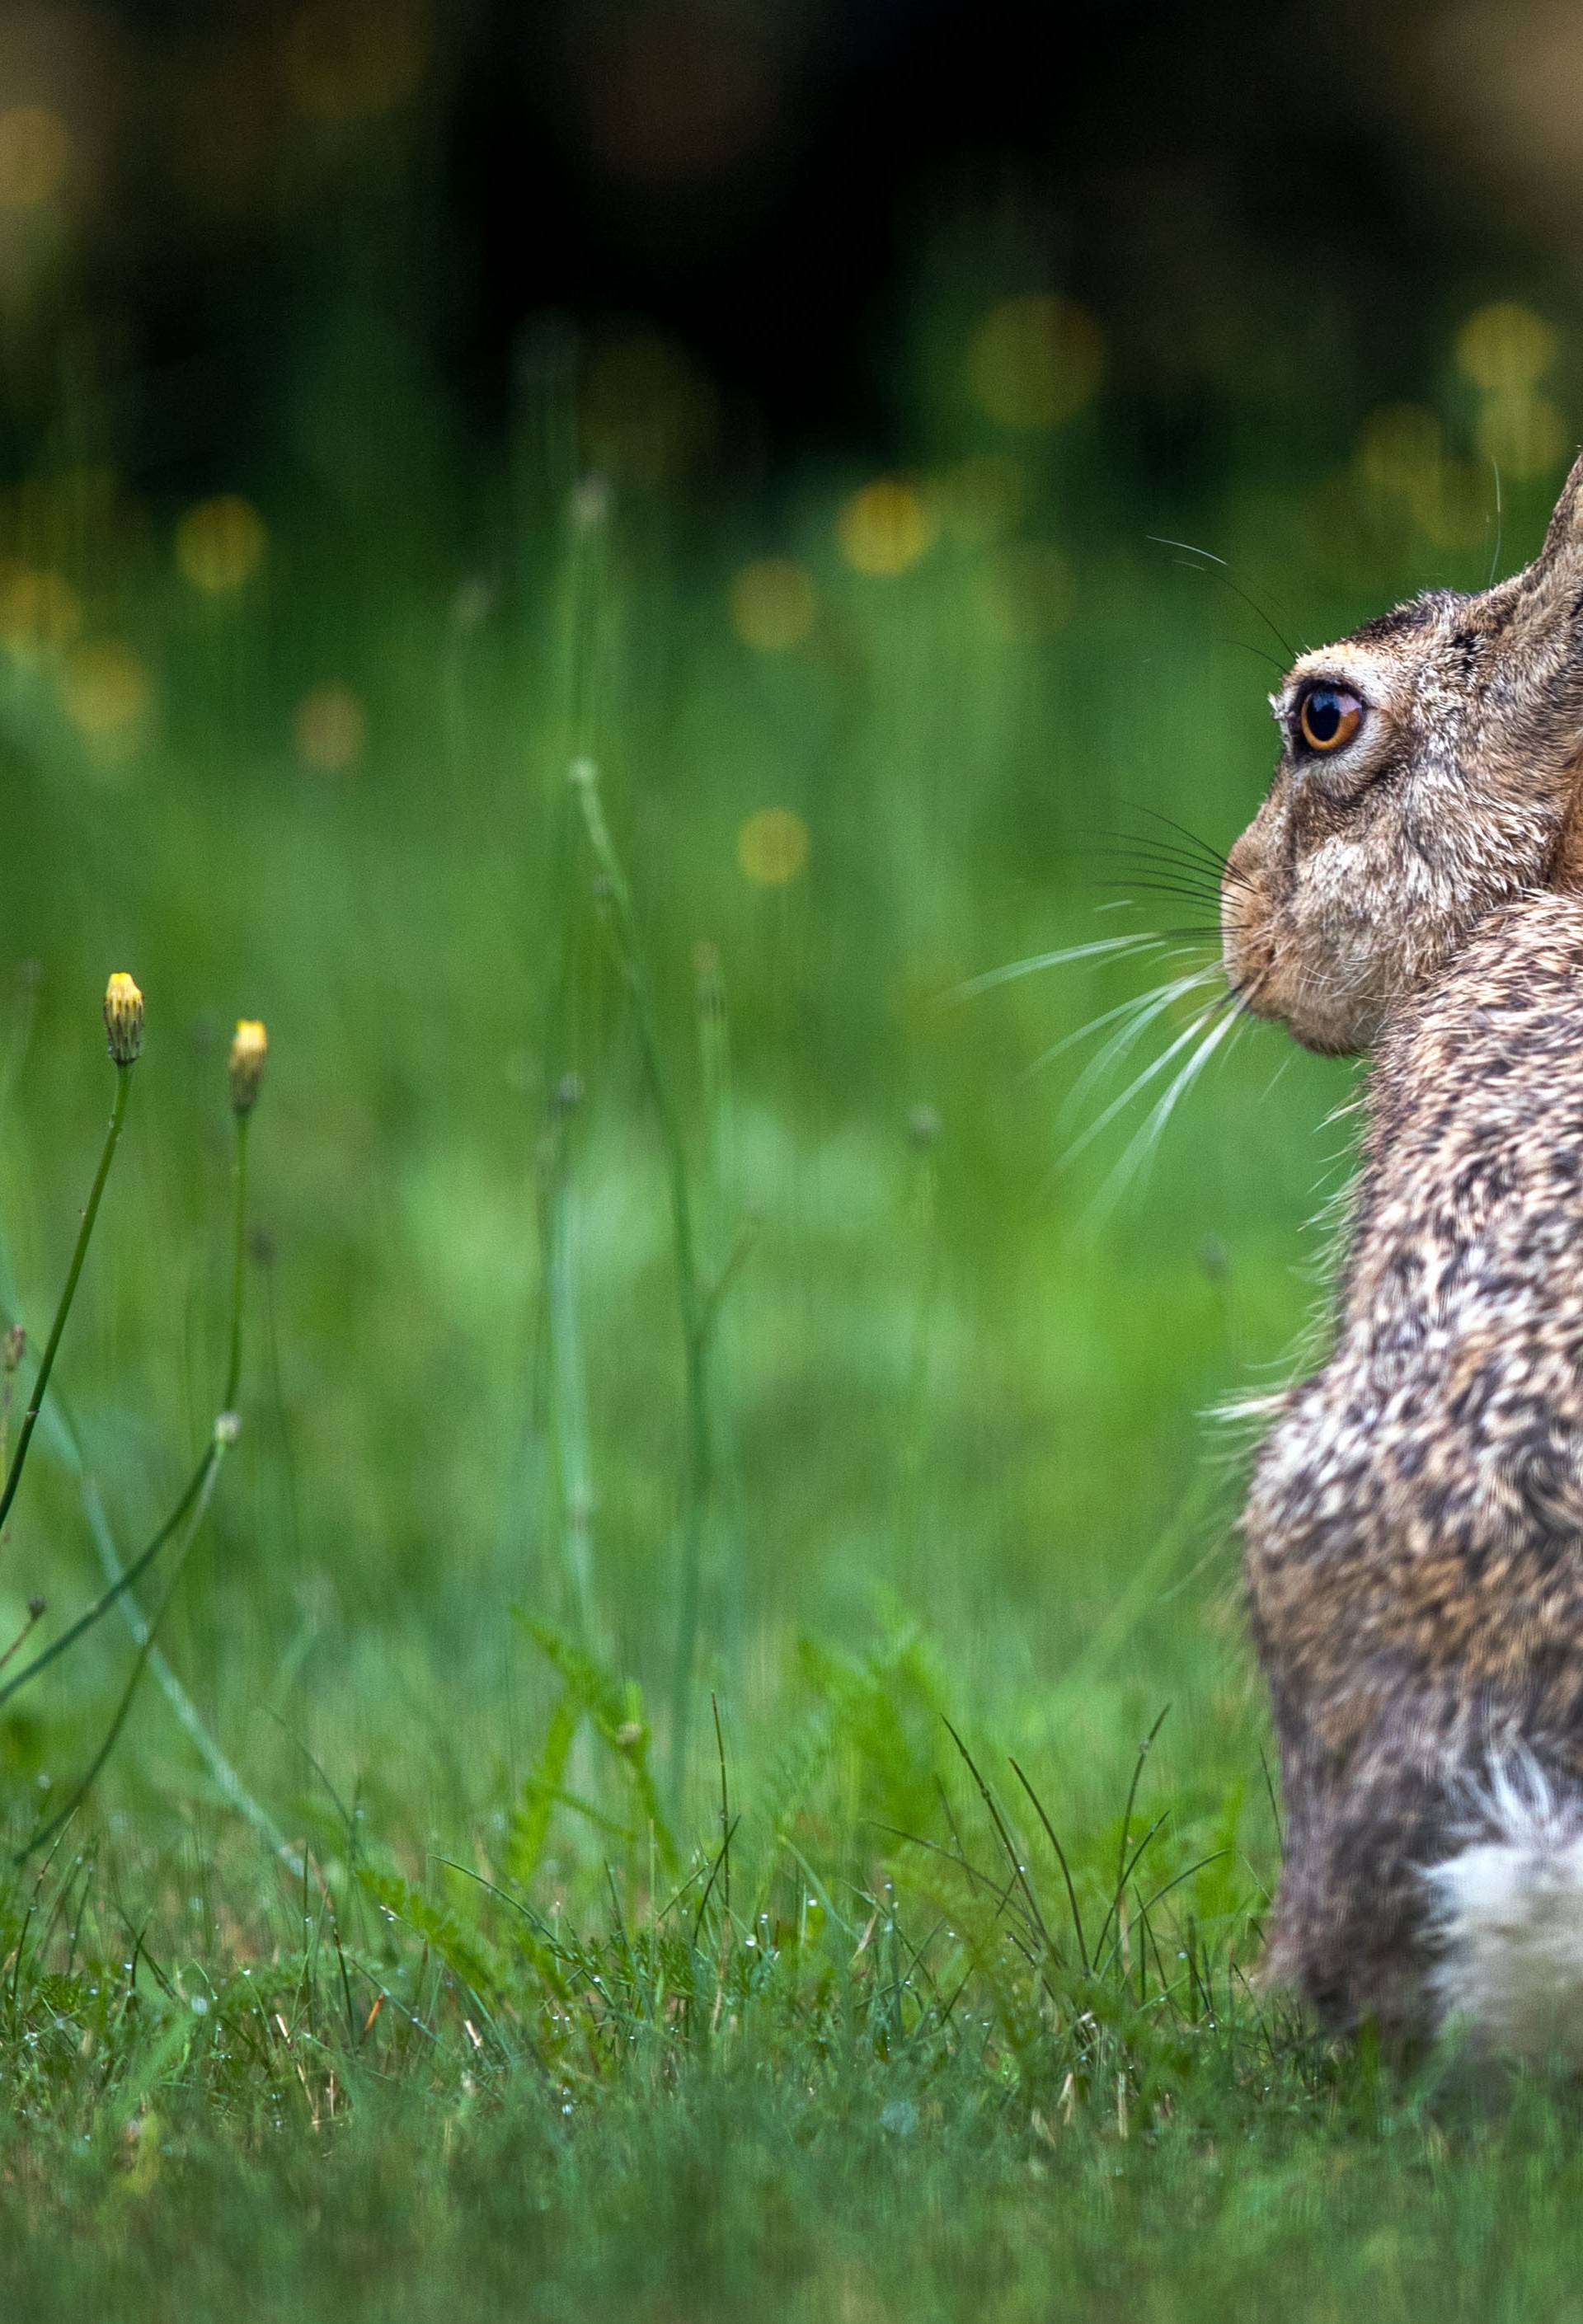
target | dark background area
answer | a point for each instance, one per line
(1245, 196)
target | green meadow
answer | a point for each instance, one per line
(699, 1754)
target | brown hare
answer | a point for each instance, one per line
(1413, 887)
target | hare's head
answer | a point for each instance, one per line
(1430, 770)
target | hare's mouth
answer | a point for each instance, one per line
(1264, 949)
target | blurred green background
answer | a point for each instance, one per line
(792, 413)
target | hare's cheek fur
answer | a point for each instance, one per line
(1303, 938)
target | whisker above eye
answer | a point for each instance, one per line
(1269, 660)
(1222, 573)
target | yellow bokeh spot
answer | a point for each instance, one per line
(220, 543)
(1455, 505)
(1504, 347)
(1400, 448)
(36, 154)
(983, 499)
(346, 60)
(330, 728)
(647, 410)
(775, 604)
(105, 689)
(1032, 589)
(885, 527)
(1524, 434)
(1034, 362)
(771, 847)
(39, 610)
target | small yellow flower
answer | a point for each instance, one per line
(774, 603)
(39, 610)
(330, 728)
(1456, 507)
(107, 690)
(1505, 347)
(1400, 449)
(249, 1048)
(124, 1018)
(1034, 362)
(1524, 434)
(771, 847)
(220, 543)
(884, 527)
(35, 155)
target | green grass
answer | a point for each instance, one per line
(665, 1290)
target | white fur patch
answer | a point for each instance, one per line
(1508, 1912)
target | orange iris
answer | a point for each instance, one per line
(1328, 717)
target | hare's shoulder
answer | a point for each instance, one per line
(1489, 1055)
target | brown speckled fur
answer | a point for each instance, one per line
(1414, 1530)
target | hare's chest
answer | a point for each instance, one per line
(1424, 1527)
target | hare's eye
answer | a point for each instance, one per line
(1327, 717)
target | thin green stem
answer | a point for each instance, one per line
(199, 1483)
(696, 1311)
(238, 1262)
(192, 1502)
(208, 1472)
(83, 1236)
(124, 1580)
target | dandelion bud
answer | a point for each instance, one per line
(249, 1048)
(124, 1018)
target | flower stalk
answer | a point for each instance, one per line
(124, 1029)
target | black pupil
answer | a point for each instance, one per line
(1322, 716)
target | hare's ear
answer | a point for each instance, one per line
(1553, 589)
(1557, 572)
(1536, 702)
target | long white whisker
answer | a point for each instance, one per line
(1141, 1081)
(1156, 1006)
(1148, 1137)
(993, 977)
(1280, 1069)
(1135, 1006)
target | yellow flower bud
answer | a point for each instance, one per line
(124, 1018)
(249, 1048)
